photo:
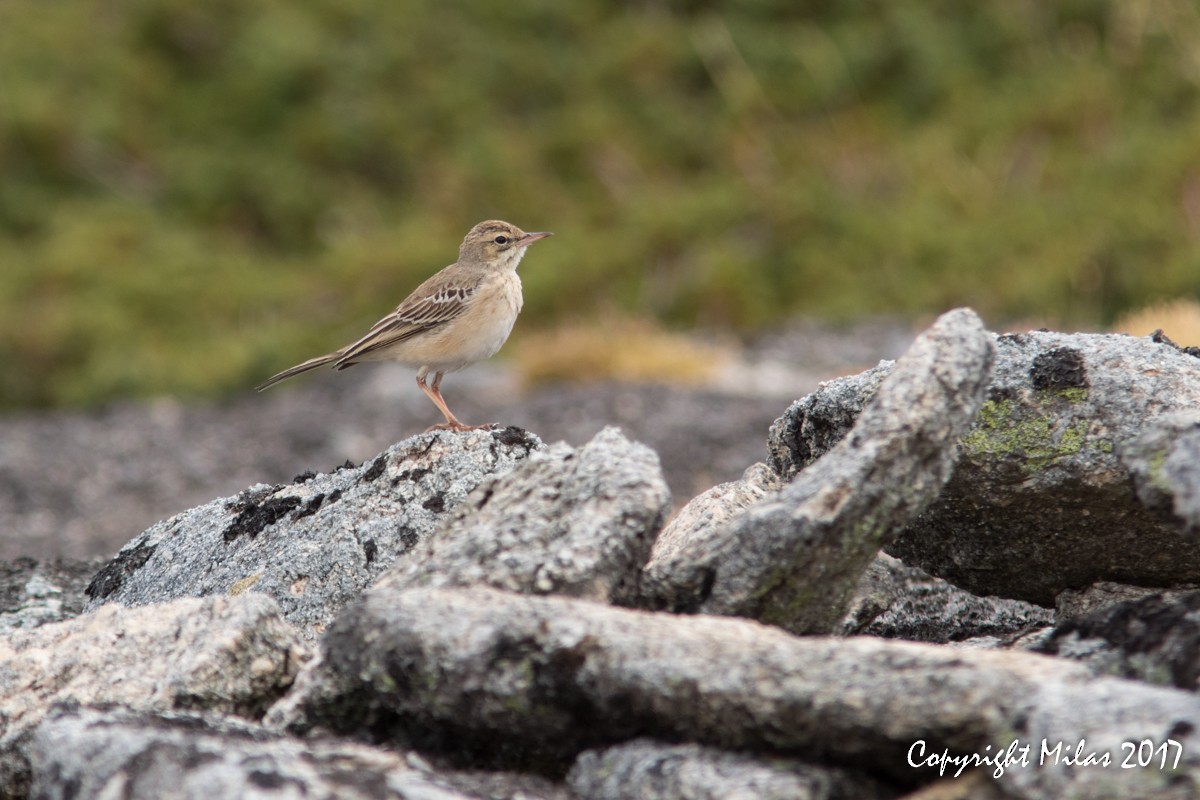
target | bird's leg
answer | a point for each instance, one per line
(434, 393)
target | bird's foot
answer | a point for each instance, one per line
(459, 427)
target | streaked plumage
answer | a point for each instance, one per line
(461, 315)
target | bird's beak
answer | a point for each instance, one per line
(530, 238)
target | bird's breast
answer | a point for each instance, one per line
(483, 327)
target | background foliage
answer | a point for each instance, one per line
(194, 195)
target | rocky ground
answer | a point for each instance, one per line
(80, 484)
(970, 572)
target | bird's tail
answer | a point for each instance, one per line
(292, 372)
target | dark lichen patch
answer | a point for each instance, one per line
(347, 464)
(252, 519)
(304, 477)
(264, 779)
(333, 496)
(436, 504)
(410, 475)
(514, 437)
(408, 537)
(376, 469)
(1061, 368)
(1018, 339)
(250, 498)
(311, 506)
(1159, 337)
(112, 577)
(370, 550)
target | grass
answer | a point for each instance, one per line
(195, 195)
(1178, 319)
(618, 348)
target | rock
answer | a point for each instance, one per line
(814, 424)
(234, 655)
(652, 770)
(574, 522)
(1039, 502)
(971, 785)
(88, 753)
(317, 543)
(1164, 460)
(714, 507)
(528, 681)
(33, 594)
(795, 559)
(896, 601)
(1154, 639)
(1075, 603)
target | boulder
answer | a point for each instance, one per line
(34, 593)
(1164, 460)
(143, 756)
(1155, 639)
(651, 770)
(713, 508)
(794, 559)
(896, 601)
(315, 544)
(566, 521)
(234, 655)
(1040, 500)
(517, 680)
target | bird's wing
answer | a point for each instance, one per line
(423, 310)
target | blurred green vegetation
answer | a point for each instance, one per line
(195, 195)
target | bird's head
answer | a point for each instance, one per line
(497, 243)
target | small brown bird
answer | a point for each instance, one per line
(461, 315)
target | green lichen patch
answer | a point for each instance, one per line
(1006, 429)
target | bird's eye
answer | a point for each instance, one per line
(501, 239)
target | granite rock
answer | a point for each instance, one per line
(896, 601)
(1164, 460)
(234, 655)
(315, 544)
(144, 756)
(576, 522)
(34, 593)
(794, 559)
(651, 770)
(1041, 499)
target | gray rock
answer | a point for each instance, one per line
(1164, 460)
(1074, 603)
(714, 507)
(317, 543)
(87, 753)
(814, 424)
(528, 680)
(234, 655)
(575, 522)
(897, 601)
(33, 593)
(651, 770)
(794, 560)
(1039, 501)
(1155, 639)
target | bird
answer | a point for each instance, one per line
(459, 316)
